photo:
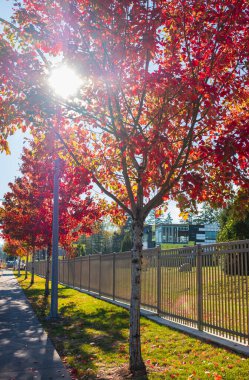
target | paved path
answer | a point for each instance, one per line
(26, 353)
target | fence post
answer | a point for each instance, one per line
(81, 271)
(159, 280)
(89, 272)
(59, 270)
(73, 271)
(68, 271)
(199, 288)
(113, 277)
(100, 261)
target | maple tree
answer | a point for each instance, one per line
(15, 248)
(162, 112)
(20, 221)
(27, 207)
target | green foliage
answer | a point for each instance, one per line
(152, 218)
(2, 254)
(234, 220)
(80, 249)
(126, 244)
(207, 215)
(106, 239)
(103, 242)
(170, 246)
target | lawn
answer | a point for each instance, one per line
(174, 245)
(224, 297)
(92, 340)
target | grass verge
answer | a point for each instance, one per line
(175, 245)
(92, 340)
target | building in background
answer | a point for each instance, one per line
(182, 233)
(203, 233)
(172, 233)
(149, 236)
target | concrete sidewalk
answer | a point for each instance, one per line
(26, 353)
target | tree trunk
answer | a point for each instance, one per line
(136, 362)
(19, 267)
(26, 266)
(33, 267)
(46, 293)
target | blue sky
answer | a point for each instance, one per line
(6, 8)
(9, 164)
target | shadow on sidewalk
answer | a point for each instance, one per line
(25, 350)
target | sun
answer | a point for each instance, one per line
(64, 81)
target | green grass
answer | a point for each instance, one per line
(170, 246)
(92, 340)
(224, 297)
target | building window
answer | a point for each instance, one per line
(210, 235)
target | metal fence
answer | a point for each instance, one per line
(204, 287)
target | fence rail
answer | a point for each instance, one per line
(205, 287)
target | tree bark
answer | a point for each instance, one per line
(136, 362)
(46, 292)
(26, 266)
(33, 267)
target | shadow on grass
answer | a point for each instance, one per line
(83, 337)
(22, 280)
(35, 293)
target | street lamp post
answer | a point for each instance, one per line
(55, 242)
(65, 83)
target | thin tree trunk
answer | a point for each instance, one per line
(33, 267)
(46, 293)
(136, 362)
(26, 266)
(19, 267)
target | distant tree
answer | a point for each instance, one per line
(159, 216)
(207, 215)
(1, 252)
(128, 225)
(116, 242)
(80, 249)
(21, 220)
(27, 215)
(234, 219)
(15, 251)
(168, 218)
(107, 238)
(151, 219)
(164, 218)
(126, 244)
(234, 225)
